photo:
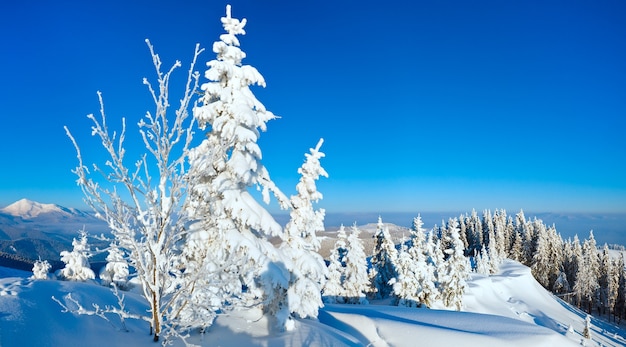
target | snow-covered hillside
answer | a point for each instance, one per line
(507, 309)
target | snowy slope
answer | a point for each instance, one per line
(509, 309)
(515, 294)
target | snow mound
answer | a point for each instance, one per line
(514, 293)
(399, 326)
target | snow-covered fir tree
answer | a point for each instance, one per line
(333, 291)
(356, 282)
(116, 269)
(474, 231)
(542, 266)
(382, 268)
(455, 271)
(586, 285)
(620, 300)
(572, 258)
(482, 262)
(561, 285)
(608, 281)
(41, 268)
(405, 286)
(77, 266)
(421, 248)
(301, 245)
(223, 168)
(501, 235)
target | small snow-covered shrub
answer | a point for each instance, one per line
(116, 270)
(41, 269)
(77, 266)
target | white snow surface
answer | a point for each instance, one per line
(507, 309)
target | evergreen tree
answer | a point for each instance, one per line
(474, 233)
(517, 247)
(41, 269)
(455, 271)
(572, 258)
(511, 240)
(547, 260)
(561, 285)
(524, 231)
(463, 235)
(230, 229)
(482, 262)
(421, 250)
(77, 266)
(333, 291)
(382, 268)
(405, 286)
(116, 270)
(488, 232)
(586, 285)
(301, 245)
(356, 281)
(620, 301)
(501, 234)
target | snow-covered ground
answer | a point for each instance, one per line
(507, 309)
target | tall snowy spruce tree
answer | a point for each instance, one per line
(300, 246)
(586, 286)
(382, 268)
(356, 281)
(421, 250)
(230, 231)
(405, 285)
(141, 203)
(333, 291)
(455, 270)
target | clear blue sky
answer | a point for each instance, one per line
(424, 105)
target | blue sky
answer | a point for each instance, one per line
(423, 105)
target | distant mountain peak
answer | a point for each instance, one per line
(29, 209)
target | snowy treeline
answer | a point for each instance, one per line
(430, 267)
(427, 271)
(576, 270)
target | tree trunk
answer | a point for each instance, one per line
(155, 318)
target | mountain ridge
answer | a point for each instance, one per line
(28, 209)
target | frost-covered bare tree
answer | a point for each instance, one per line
(141, 201)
